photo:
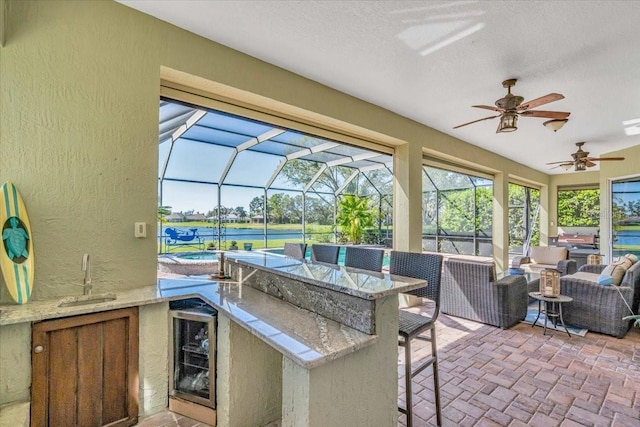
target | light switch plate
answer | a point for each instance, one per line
(140, 229)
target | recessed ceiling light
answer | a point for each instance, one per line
(632, 127)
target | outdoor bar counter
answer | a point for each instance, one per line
(304, 343)
(357, 389)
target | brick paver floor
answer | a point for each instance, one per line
(516, 377)
(519, 377)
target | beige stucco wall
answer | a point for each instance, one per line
(79, 111)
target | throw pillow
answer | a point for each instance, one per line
(617, 270)
(516, 271)
(605, 280)
(631, 257)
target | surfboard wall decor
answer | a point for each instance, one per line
(16, 254)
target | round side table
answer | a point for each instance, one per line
(552, 308)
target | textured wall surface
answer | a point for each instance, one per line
(79, 117)
(154, 358)
(249, 378)
(15, 363)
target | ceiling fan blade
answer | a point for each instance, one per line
(540, 101)
(564, 161)
(596, 159)
(589, 163)
(488, 107)
(546, 114)
(565, 165)
(476, 121)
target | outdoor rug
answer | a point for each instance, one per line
(532, 313)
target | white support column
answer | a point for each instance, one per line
(407, 204)
(249, 378)
(358, 390)
(501, 222)
(545, 199)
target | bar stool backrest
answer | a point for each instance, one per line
(364, 258)
(325, 253)
(419, 266)
(295, 250)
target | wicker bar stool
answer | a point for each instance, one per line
(364, 258)
(412, 325)
(325, 253)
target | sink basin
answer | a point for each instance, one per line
(86, 300)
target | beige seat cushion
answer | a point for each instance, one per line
(547, 254)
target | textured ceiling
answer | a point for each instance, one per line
(431, 60)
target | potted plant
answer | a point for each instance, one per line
(211, 246)
(234, 246)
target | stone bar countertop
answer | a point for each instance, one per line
(307, 338)
(344, 294)
(351, 281)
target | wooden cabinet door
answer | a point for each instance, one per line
(84, 370)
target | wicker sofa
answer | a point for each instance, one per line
(600, 308)
(469, 289)
(541, 257)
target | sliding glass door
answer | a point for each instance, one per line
(625, 216)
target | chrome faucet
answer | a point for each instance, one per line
(86, 267)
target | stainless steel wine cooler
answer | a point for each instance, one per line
(193, 353)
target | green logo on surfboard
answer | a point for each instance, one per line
(15, 239)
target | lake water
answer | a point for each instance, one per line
(628, 237)
(209, 233)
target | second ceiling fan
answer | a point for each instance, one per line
(512, 106)
(581, 160)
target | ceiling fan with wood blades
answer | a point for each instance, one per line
(581, 160)
(512, 106)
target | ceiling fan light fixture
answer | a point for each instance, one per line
(508, 122)
(581, 166)
(567, 166)
(555, 124)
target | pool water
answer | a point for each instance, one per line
(203, 256)
(341, 254)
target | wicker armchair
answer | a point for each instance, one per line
(470, 290)
(541, 257)
(601, 308)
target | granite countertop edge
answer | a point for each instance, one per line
(303, 350)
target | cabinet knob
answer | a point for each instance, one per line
(38, 349)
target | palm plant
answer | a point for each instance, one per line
(162, 212)
(353, 217)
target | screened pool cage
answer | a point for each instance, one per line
(457, 212)
(226, 179)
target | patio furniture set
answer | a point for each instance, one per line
(472, 290)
